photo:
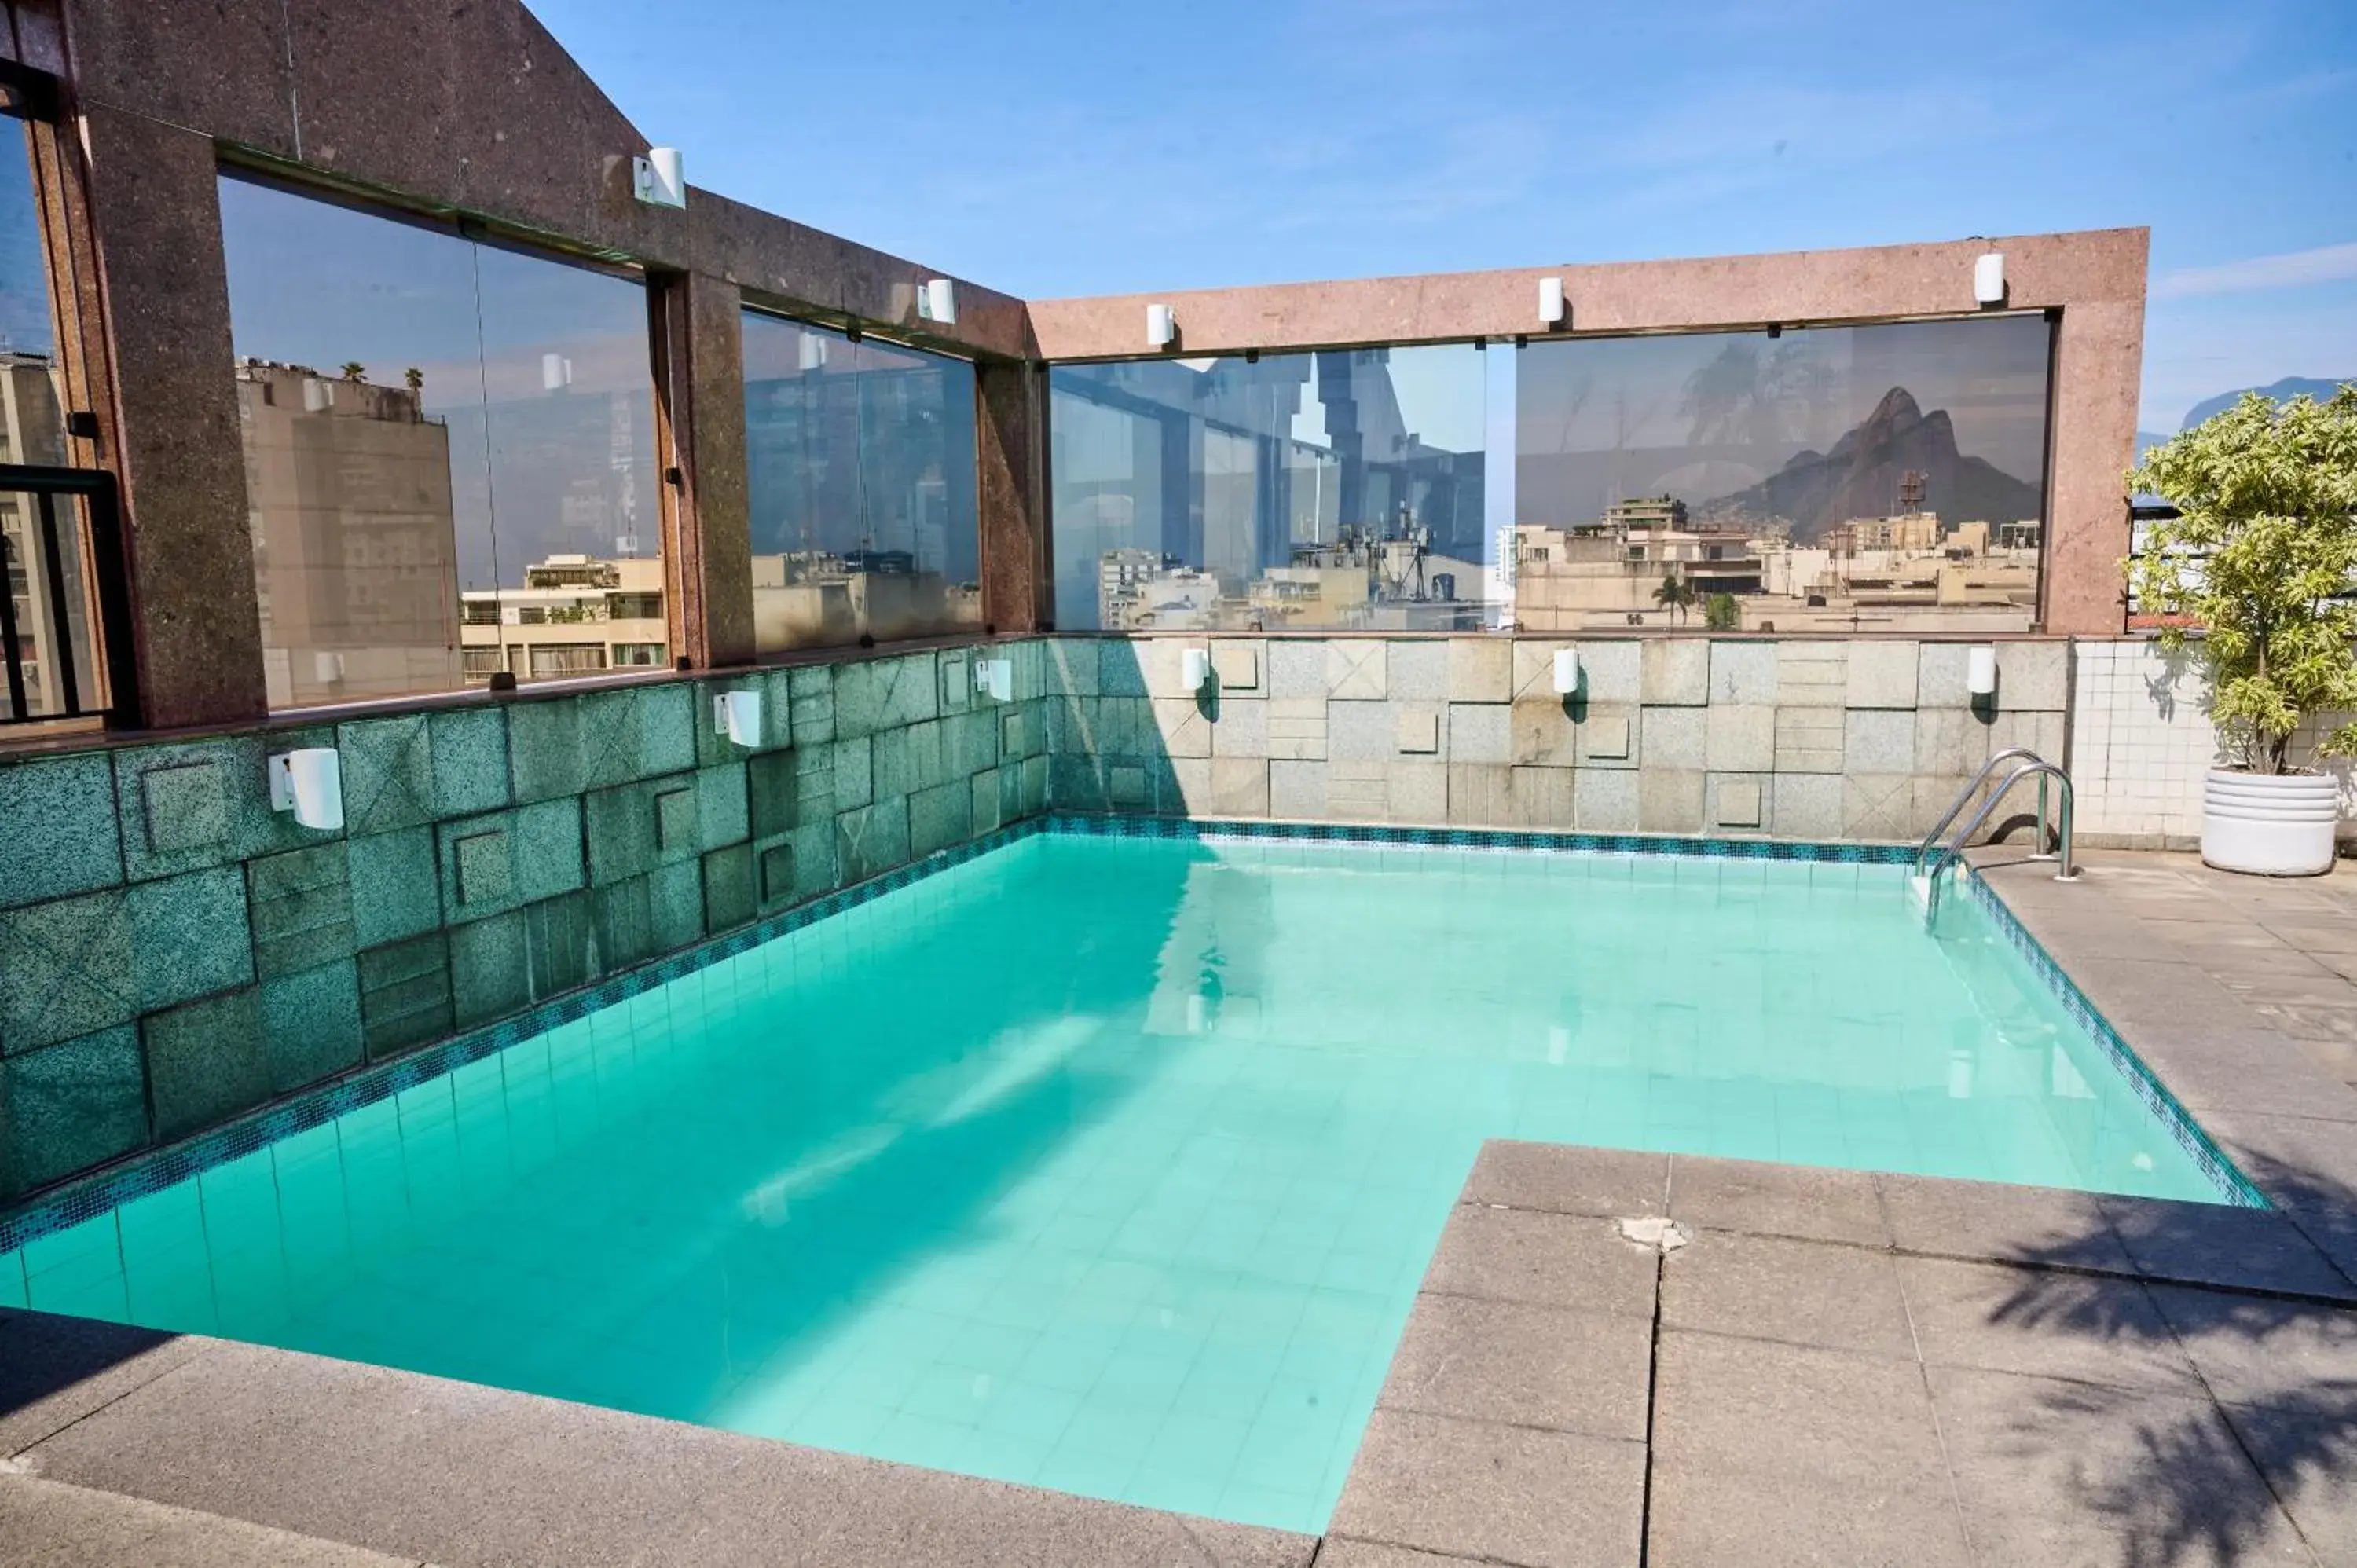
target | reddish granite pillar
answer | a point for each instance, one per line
(155, 214)
(1011, 446)
(700, 378)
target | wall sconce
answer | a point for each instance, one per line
(1988, 278)
(995, 677)
(1980, 672)
(1550, 307)
(310, 783)
(1195, 668)
(937, 301)
(1566, 670)
(660, 179)
(1161, 326)
(738, 716)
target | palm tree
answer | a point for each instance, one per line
(1675, 595)
(354, 371)
(413, 378)
(1721, 613)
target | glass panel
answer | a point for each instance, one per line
(438, 434)
(1341, 488)
(1855, 478)
(860, 463)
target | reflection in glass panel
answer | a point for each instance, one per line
(860, 467)
(33, 430)
(1341, 488)
(449, 454)
(1884, 477)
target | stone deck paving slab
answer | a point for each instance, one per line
(45, 1524)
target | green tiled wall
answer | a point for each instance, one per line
(172, 952)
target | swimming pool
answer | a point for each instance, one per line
(1110, 1162)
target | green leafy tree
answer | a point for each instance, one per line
(1721, 613)
(2262, 564)
(1675, 595)
(354, 371)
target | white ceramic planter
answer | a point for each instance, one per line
(2269, 824)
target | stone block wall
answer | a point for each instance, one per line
(1788, 738)
(172, 952)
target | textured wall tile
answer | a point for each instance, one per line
(1949, 741)
(723, 803)
(544, 747)
(1297, 791)
(1878, 741)
(675, 904)
(1419, 669)
(189, 936)
(1480, 795)
(470, 761)
(1811, 674)
(2040, 731)
(969, 743)
(388, 771)
(1738, 739)
(851, 773)
(676, 828)
(1417, 727)
(1612, 671)
(1481, 733)
(813, 689)
(1940, 673)
(2033, 676)
(774, 870)
(1604, 800)
(1239, 728)
(560, 945)
(186, 807)
(488, 975)
(773, 792)
(1675, 672)
(1743, 672)
(1417, 792)
(1120, 670)
(1806, 806)
(667, 727)
(65, 970)
(904, 691)
(483, 870)
(1190, 779)
(729, 899)
(1534, 670)
(954, 668)
(311, 1023)
(1236, 666)
(1878, 806)
(1126, 784)
(1480, 669)
(814, 870)
(1297, 729)
(1357, 671)
(1075, 784)
(1542, 797)
(1239, 786)
(394, 888)
(622, 919)
(547, 836)
(1882, 674)
(70, 1106)
(1010, 793)
(1357, 791)
(985, 814)
(62, 835)
(1015, 734)
(1362, 732)
(1671, 738)
(1609, 737)
(1071, 668)
(404, 994)
(1297, 668)
(1542, 732)
(1738, 803)
(610, 738)
(1809, 738)
(1669, 801)
(301, 908)
(1035, 785)
(940, 817)
(206, 1061)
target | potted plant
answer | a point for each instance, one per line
(2260, 565)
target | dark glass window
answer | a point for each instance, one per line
(860, 469)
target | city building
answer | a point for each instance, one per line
(574, 615)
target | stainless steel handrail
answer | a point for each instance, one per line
(1954, 848)
(1957, 805)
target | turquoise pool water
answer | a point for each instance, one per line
(1108, 1165)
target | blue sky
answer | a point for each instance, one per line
(1088, 146)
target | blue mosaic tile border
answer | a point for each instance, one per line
(1662, 845)
(114, 1185)
(2231, 1183)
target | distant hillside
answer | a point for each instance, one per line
(1860, 477)
(2288, 388)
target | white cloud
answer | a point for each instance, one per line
(2293, 269)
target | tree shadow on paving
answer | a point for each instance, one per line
(2265, 1327)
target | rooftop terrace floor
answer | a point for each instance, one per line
(1835, 1367)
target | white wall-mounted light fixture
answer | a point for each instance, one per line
(937, 301)
(1566, 670)
(1195, 668)
(310, 783)
(660, 179)
(1550, 307)
(1980, 672)
(995, 677)
(1161, 326)
(1988, 278)
(738, 716)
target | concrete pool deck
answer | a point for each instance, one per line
(1835, 1367)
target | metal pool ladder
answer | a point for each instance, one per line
(1928, 864)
